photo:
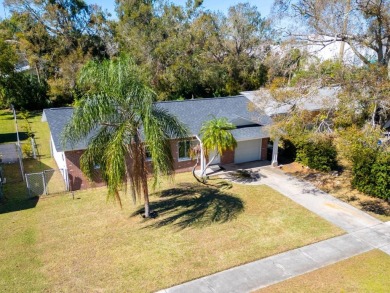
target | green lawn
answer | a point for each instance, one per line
(42, 138)
(88, 244)
(367, 272)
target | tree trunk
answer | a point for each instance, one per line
(146, 195)
(194, 174)
(147, 207)
(208, 164)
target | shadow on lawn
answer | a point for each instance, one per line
(192, 205)
(11, 137)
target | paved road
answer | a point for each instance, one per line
(364, 233)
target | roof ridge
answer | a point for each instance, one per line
(59, 108)
(200, 99)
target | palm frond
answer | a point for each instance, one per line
(216, 135)
(159, 128)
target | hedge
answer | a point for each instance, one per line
(317, 154)
(371, 173)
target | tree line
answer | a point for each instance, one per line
(183, 51)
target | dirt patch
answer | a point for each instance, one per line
(338, 184)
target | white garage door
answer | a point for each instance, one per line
(247, 151)
(217, 159)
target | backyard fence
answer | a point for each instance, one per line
(47, 182)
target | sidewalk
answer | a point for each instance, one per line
(326, 206)
(364, 234)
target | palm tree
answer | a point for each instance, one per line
(216, 136)
(117, 108)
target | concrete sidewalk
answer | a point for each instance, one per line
(364, 234)
(280, 267)
(326, 206)
(276, 268)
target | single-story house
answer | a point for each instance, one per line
(251, 134)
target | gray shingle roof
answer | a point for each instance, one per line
(57, 118)
(192, 113)
(249, 133)
(318, 99)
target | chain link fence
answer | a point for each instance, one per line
(47, 182)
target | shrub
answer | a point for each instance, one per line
(27, 150)
(319, 154)
(371, 173)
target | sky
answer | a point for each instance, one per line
(264, 6)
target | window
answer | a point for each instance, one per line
(184, 150)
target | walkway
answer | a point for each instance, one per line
(364, 234)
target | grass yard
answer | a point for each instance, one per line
(368, 272)
(42, 138)
(88, 244)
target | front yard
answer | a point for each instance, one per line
(88, 244)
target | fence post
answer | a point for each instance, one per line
(28, 186)
(44, 183)
(33, 148)
(18, 143)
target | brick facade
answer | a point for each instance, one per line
(77, 180)
(227, 157)
(264, 148)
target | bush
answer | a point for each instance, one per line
(27, 150)
(371, 173)
(319, 154)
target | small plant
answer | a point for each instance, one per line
(376, 206)
(27, 150)
(352, 198)
(244, 174)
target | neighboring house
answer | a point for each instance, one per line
(251, 134)
(326, 48)
(313, 101)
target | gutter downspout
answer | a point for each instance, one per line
(202, 158)
(275, 148)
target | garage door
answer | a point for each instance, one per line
(217, 159)
(247, 151)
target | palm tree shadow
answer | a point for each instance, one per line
(193, 205)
